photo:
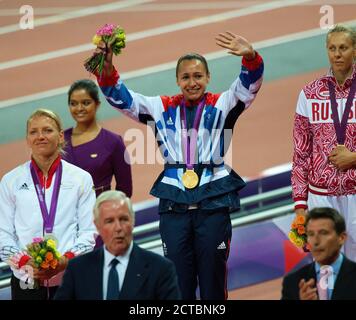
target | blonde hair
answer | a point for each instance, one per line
(112, 195)
(340, 28)
(49, 114)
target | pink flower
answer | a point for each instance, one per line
(106, 30)
(37, 240)
(110, 34)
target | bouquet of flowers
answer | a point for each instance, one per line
(297, 234)
(44, 253)
(111, 35)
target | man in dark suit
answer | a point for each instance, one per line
(120, 269)
(331, 276)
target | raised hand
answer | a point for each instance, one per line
(236, 45)
(307, 290)
(107, 50)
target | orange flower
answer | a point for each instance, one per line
(301, 230)
(49, 256)
(294, 225)
(300, 219)
(44, 265)
(54, 263)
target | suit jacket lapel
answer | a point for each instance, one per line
(135, 275)
(95, 272)
(342, 279)
(311, 272)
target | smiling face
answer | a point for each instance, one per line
(82, 106)
(44, 137)
(192, 78)
(115, 225)
(341, 52)
(324, 242)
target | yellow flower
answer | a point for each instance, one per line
(39, 259)
(292, 236)
(120, 44)
(299, 242)
(57, 254)
(121, 37)
(51, 244)
(96, 40)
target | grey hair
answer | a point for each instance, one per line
(112, 195)
(340, 28)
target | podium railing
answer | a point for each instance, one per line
(254, 208)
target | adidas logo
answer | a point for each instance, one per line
(169, 121)
(221, 246)
(24, 186)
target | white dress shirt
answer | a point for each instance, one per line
(120, 267)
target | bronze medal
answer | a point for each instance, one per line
(190, 179)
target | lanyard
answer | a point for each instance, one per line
(48, 219)
(189, 145)
(340, 127)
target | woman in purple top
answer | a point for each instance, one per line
(91, 147)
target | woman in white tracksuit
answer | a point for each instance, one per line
(45, 195)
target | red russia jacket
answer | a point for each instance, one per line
(315, 137)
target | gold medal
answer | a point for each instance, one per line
(190, 179)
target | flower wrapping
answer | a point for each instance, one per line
(297, 235)
(14, 261)
(111, 35)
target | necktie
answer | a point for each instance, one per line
(324, 282)
(113, 282)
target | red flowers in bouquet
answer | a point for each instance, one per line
(111, 35)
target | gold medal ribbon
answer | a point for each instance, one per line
(190, 179)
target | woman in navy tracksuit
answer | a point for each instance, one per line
(196, 191)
